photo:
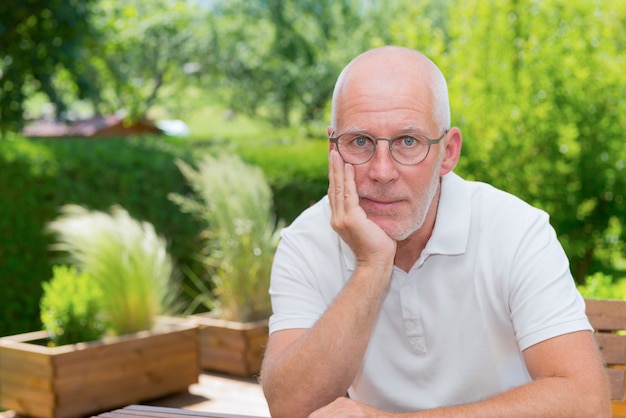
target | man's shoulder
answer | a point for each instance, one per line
(486, 196)
(490, 210)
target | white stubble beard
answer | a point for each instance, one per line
(416, 219)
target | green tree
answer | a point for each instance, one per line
(144, 52)
(278, 59)
(538, 90)
(116, 56)
(38, 38)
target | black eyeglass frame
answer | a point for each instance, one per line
(335, 140)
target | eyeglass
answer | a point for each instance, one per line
(406, 149)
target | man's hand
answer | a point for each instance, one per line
(338, 340)
(370, 244)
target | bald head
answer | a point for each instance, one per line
(388, 71)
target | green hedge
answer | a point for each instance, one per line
(297, 173)
(39, 176)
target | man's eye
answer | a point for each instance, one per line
(361, 141)
(408, 141)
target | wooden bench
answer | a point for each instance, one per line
(607, 317)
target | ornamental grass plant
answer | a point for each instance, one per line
(126, 261)
(234, 200)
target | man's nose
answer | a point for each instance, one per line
(382, 166)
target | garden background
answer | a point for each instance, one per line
(536, 87)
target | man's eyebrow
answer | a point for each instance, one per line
(355, 129)
(411, 128)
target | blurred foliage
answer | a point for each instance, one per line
(535, 86)
(298, 173)
(234, 201)
(40, 176)
(126, 260)
(602, 286)
(279, 58)
(70, 307)
(542, 103)
(147, 46)
(39, 38)
(112, 56)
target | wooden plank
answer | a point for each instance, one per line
(223, 353)
(253, 362)
(237, 368)
(208, 320)
(19, 391)
(93, 380)
(130, 391)
(258, 339)
(606, 315)
(262, 331)
(83, 385)
(230, 346)
(121, 347)
(618, 409)
(243, 358)
(30, 362)
(28, 380)
(29, 401)
(227, 338)
(232, 339)
(257, 345)
(616, 384)
(110, 360)
(612, 346)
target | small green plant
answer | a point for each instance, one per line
(234, 200)
(70, 307)
(126, 260)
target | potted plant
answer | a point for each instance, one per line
(234, 200)
(106, 343)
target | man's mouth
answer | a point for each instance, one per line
(379, 205)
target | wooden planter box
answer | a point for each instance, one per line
(234, 348)
(81, 379)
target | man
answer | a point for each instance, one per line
(414, 291)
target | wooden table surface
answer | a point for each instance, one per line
(136, 411)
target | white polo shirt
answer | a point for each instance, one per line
(492, 281)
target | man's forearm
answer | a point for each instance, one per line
(322, 363)
(549, 397)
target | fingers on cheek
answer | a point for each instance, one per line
(336, 180)
(348, 173)
(341, 222)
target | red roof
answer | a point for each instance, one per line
(98, 126)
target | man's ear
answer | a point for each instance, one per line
(453, 142)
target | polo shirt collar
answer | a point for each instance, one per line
(451, 230)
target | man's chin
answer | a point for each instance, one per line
(398, 235)
(393, 230)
